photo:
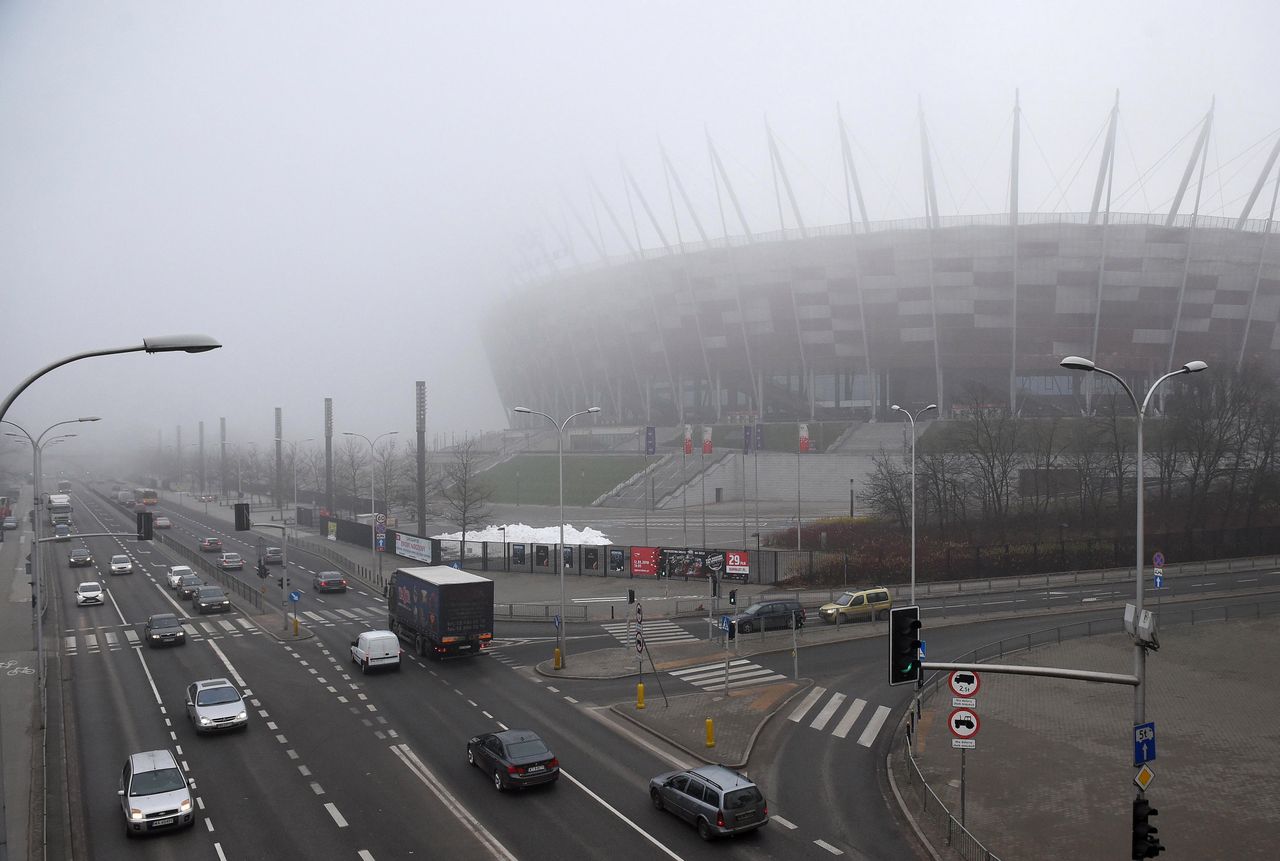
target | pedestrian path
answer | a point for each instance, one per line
(712, 677)
(656, 631)
(115, 637)
(356, 615)
(833, 706)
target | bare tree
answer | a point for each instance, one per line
(388, 469)
(465, 496)
(349, 463)
(888, 489)
(311, 473)
(1086, 454)
(990, 438)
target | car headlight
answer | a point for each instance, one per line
(135, 813)
(155, 636)
(204, 721)
(242, 716)
(185, 805)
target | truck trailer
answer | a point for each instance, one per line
(440, 611)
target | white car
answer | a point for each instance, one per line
(373, 649)
(121, 564)
(161, 522)
(90, 592)
(176, 573)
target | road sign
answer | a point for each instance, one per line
(639, 613)
(556, 619)
(639, 644)
(963, 723)
(964, 683)
(964, 703)
(922, 642)
(1144, 777)
(380, 518)
(1158, 559)
(380, 544)
(1159, 579)
(380, 528)
(724, 623)
(1144, 742)
(295, 596)
(966, 743)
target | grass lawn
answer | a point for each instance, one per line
(531, 478)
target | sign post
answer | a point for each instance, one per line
(294, 597)
(963, 721)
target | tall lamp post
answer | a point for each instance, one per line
(373, 508)
(37, 444)
(912, 419)
(560, 426)
(1076, 363)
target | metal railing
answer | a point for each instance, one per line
(249, 592)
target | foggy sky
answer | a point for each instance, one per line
(339, 191)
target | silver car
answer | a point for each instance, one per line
(214, 705)
(154, 793)
(121, 564)
(716, 800)
(176, 573)
(89, 592)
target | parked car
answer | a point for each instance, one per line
(154, 794)
(121, 564)
(11, 522)
(61, 532)
(770, 614)
(717, 800)
(80, 557)
(858, 606)
(210, 545)
(210, 599)
(228, 561)
(374, 649)
(273, 556)
(216, 704)
(89, 592)
(329, 581)
(176, 573)
(516, 758)
(164, 629)
(161, 522)
(187, 586)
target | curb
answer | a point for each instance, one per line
(902, 802)
(304, 633)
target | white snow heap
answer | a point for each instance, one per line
(519, 533)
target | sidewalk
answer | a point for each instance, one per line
(18, 700)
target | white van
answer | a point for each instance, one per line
(373, 649)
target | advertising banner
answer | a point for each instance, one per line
(804, 438)
(517, 554)
(644, 561)
(692, 564)
(617, 559)
(737, 565)
(591, 558)
(413, 547)
(688, 439)
(332, 531)
(541, 555)
(706, 440)
(650, 440)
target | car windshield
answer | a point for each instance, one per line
(79, 553)
(754, 608)
(181, 572)
(90, 587)
(118, 559)
(211, 592)
(155, 782)
(164, 621)
(231, 557)
(532, 747)
(217, 696)
(844, 599)
(740, 798)
(190, 580)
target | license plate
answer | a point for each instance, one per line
(534, 768)
(464, 648)
(160, 822)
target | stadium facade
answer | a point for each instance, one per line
(842, 321)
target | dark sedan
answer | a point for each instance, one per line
(80, 558)
(164, 629)
(515, 758)
(210, 545)
(210, 599)
(188, 585)
(329, 581)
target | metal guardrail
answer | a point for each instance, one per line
(246, 591)
(932, 807)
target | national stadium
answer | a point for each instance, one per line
(840, 321)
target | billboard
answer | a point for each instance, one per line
(644, 561)
(692, 563)
(414, 547)
(737, 565)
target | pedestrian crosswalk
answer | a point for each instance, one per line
(724, 675)
(656, 631)
(123, 636)
(359, 615)
(831, 707)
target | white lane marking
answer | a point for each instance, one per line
(828, 711)
(572, 700)
(849, 719)
(365, 855)
(645, 834)
(785, 823)
(437, 788)
(150, 680)
(317, 788)
(337, 817)
(827, 846)
(218, 848)
(226, 663)
(635, 739)
(873, 726)
(702, 668)
(807, 703)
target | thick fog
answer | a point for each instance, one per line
(339, 192)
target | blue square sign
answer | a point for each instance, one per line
(1144, 743)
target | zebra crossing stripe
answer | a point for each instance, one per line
(227, 626)
(246, 624)
(850, 718)
(828, 711)
(873, 726)
(314, 616)
(131, 635)
(347, 613)
(190, 630)
(112, 639)
(70, 644)
(91, 640)
(773, 678)
(208, 628)
(701, 668)
(807, 703)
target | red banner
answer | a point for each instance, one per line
(804, 438)
(644, 561)
(688, 439)
(706, 440)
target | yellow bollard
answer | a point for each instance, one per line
(639, 695)
(558, 664)
(711, 733)
(295, 626)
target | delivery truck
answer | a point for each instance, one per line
(440, 611)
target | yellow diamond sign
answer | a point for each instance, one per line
(1144, 777)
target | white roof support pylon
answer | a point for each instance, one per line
(1196, 152)
(1257, 186)
(1106, 164)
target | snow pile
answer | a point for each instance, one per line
(519, 533)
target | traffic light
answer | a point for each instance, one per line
(144, 526)
(904, 645)
(715, 587)
(262, 568)
(1145, 842)
(242, 517)
(631, 596)
(733, 597)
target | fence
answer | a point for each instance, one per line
(246, 591)
(934, 812)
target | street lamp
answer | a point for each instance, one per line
(560, 426)
(37, 444)
(373, 509)
(1076, 363)
(912, 419)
